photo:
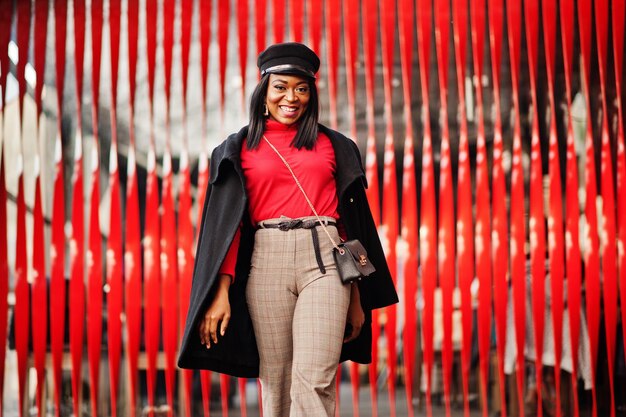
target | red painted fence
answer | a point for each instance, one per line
(504, 219)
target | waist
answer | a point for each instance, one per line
(287, 223)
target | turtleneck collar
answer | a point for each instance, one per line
(273, 125)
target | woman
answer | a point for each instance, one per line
(266, 298)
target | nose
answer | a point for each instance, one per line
(291, 95)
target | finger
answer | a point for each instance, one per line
(213, 329)
(224, 325)
(204, 334)
(207, 330)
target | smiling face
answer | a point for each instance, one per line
(287, 97)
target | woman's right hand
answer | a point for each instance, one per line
(218, 311)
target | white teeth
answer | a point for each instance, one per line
(288, 109)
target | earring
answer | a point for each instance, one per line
(266, 111)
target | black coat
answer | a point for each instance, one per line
(225, 208)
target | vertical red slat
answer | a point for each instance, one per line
(168, 247)
(332, 25)
(482, 227)
(94, 252)
(21, 289)
(445, 250)
(242, 30)
(590, 242)
(223, 26)
(39, 48)
(39, 294)
(351, 38)
(373, 199)
(464, 225)
(114, 272)
(24, 14)
(152, 293)
(517, 221)
(499, 232)
(205, 381)
(428, 259)
(224, 392)
(77, 240)
(205, 40)
(132, 274)
(607, 231)
(410, 270)
(169, 279)
(536, 216)
(77, 284)
(278, 20)
(617, 20)
(369, 26)
(132, 237)
(296, 20)
(203, 182)
(114, 279)
(152, 231)
(151, 40)
(428, 219)
(169, 9)
(572, 213)
(185, 227)
(314, 23)
(185, 260)
(39, 306)
(390, 232)
(22, 298)
(4, 276)
(6, 12)
(555, 207)
(187, 7)
(203, 166)
(242, 396)
(57, 253)
(409, 222)
(260, 17)
(390, 190)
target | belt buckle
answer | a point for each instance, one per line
(288, 225)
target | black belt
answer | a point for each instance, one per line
(302, 224)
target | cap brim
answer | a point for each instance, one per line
(292, 71)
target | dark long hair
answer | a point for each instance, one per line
(307, 130)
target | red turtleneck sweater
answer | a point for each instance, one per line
(271, 190)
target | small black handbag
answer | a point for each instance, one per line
(352, 261)
(350, 256)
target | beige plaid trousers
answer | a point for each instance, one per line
(299, 319)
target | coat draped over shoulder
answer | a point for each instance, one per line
(225, 208)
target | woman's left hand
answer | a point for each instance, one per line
(356, 316)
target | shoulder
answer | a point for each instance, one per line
(340, 141)
(229, 149)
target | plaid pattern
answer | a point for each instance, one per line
(299, 318)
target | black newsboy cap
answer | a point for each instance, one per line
(288, 58)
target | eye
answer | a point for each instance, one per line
(302, 90)
(279, 88)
